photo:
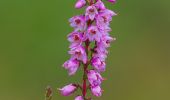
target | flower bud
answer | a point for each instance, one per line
(98, 64)
(94, 78)
(49, 93)
(80, 4)
(71, 65)
(96, 91)
(79, 98)
(68, 89)
(99, 5)
(112, 1)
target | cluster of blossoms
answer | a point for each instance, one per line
(88, 46)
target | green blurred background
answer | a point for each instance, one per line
(33, 47)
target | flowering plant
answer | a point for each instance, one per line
(88, 46)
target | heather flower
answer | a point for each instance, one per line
(75, 38)
(91, 27)
(94, 78)
(105, 42)
(68, 89)
(80, 4)
(96, 91)
(91, 12)
(78, 53)
(102, 55)
(71, 65)
(108, 12)
(78, 22)
(100, 51)
(79, 98)
(104, 18)
(98, 64)
(99, 5)
(103, 21)
(93, 34)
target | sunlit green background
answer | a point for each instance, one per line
(33, 47)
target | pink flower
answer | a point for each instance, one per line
(108, 12)
(91, 12)
(68, 90)
(103, 19)
(89, 44)
(105, 41)
(71, 65)
(99, 5)
(78, 22)
(102, 55)
(94, 78)
(96, 91)
(112, 1)
(98, 64)
(80, 4)
(100, 52)
(79, 53)
(93, 34)
(75, 38)
(79, 98)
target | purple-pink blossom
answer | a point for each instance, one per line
(75, 39)
(68, 89)
(96, 91)
(78, 22)
(72, 66)
(95, 79)
(100, 5)
(98, 64)
(78, 53)
(79, 98)
(91, 12)
(80, 4)
(89, 43)
(93, 34)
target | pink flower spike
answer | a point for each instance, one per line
(80, 4)
(79, 98)
(89, 44)
(68, 90)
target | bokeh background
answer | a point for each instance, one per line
(33, 47)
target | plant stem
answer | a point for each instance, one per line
(84, 83)
(87, 43)
(84, 91)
